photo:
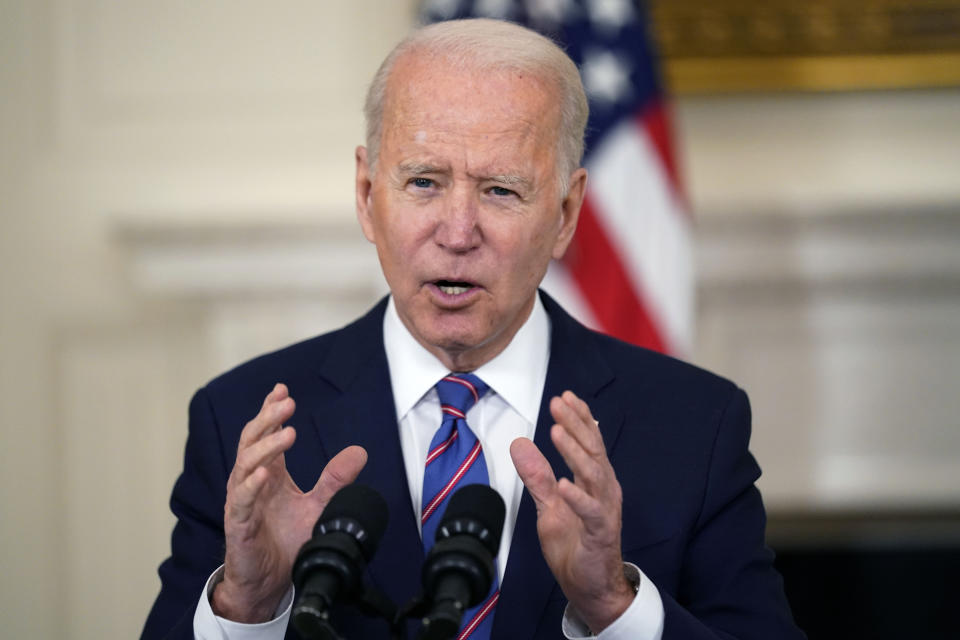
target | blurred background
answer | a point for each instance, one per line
(176, 195)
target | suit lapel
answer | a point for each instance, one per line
(528, 582)
(363, 414)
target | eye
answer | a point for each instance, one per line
(501, 192)
(422, 183)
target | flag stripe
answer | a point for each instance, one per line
(606, 285)
(655, 120)
(638, 211)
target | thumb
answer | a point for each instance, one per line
(342, 469)
(534, 471)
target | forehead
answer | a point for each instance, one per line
(431, 100)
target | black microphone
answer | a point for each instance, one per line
(330, 565)
(459, 569)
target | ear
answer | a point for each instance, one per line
(364, 187)
(570, 211)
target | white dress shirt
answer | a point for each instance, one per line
(516, 378)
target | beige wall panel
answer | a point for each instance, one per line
(816, 152)
(845, 330)
(217, 108)
(124, 398)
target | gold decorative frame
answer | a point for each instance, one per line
(716, 46)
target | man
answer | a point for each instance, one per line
(468, 186)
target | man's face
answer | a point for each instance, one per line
(464, 206)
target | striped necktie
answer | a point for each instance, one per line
(455, 459)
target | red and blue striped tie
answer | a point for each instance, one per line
(455, 460)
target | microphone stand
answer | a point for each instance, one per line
(376, 604)
(371, 603)
(417, 609)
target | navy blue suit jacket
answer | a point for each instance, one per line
(677, 437)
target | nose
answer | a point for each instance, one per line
(458, 227)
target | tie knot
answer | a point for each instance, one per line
(460, 391)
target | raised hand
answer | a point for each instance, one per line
(578, 522)
(266, 517)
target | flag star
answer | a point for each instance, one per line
(493, 8)
(440, 9)
(606, 76)
(610, 15)
(549, 12)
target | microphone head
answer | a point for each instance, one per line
(358, 511)
(477, 510)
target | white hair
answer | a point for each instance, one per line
(480, 44)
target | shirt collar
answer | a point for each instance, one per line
(517, 374)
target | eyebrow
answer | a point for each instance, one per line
(510, 180)
(423, 168)
(418, 168)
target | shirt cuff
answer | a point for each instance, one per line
(209, 626)
(643, 619)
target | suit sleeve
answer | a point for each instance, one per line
(729, 588)
(197, 544)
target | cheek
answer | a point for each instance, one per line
(542, 238)
(393, 251)
(526, 255)
(400, 247)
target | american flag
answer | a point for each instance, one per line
(629, 272)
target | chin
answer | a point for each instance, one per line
(454, 341)
(453, 332)
(455, 335)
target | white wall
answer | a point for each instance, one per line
(176, 195)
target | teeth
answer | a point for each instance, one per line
(453, 290)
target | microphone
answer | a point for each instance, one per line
(330, 565)
(459, 569)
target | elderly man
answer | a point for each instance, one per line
(468, 186)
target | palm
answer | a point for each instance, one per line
(284, 524)
(570, 545)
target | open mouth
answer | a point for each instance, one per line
(453, 287)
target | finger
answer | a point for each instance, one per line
(277, 409)
(573, 415)
(596, 516)
(580, 406)
(242, 499)
(584, 417)
(278, 392)
(342, 469)
(534, 472)
(261, 453)
(594, 475)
